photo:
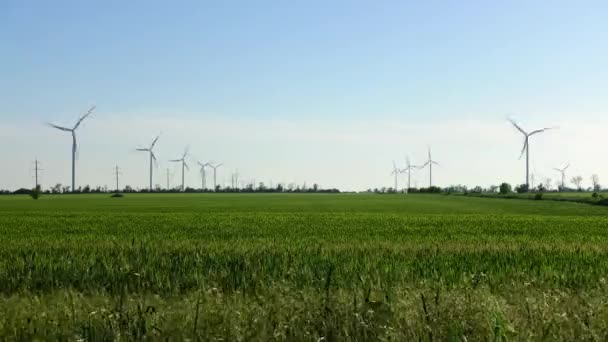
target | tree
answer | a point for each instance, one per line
(505, 188)
(56, 189)
(578, 182)
(522, 188)
(36, 192)
(493, 188)
(595, 180)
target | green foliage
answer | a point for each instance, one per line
(36, 192)
(301, 267)
(538, 196)
(522, 189)
(505, 189)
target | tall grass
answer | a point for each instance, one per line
(303, 268)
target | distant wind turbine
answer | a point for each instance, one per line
(526, 147)
(215, 175)
(396, 172)
(430, 163)
(563, 172)
(74, 143)
(184, 166)
(408, 168)
(204, 174)
(150, 150)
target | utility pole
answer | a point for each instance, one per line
(117, 173)
(37, 169)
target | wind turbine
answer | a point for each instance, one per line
(204, 174)
(408, 168)
(184, 166)
(152, 157)
(396, 172)
(526, 147)
(430, 163)
(563, 172)
(74, 144)
(215, 175)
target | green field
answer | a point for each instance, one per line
(303, 267)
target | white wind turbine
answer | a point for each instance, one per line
(526, 147)
(408, 168)
(74, 143)
(396, 172)
(215, 175)
(563, 172)
(430, 163)
(204, 174)
(150, 150)
(184, 166)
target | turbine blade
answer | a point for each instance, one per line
(175, 160)
(154, 141)
(142, 149)
(154, 159)
(517, 126)
(217, 166)
(567, 166)
(59, 127)
(524, 148)
(539, 131)
(434, 162)
(83, 117)
(187, 167)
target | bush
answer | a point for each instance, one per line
(117, 195)
(538, 196)
(595, 195)
(35, 194)
(505, 188)
(522, 189)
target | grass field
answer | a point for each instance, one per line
(305, 267)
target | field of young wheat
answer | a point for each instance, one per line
(305, 267)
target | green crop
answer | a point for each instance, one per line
(305, 267)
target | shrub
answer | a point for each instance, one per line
(505, 188)
(538, 196)
(117, 195)
(35, 194)
(595, 195)
(521, 189)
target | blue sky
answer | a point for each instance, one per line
(364, 69)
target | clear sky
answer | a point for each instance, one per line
(303, 91)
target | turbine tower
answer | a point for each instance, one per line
(430, 163)
(563, 172)
(408, 168)
(152, 157)
(204, 174)
(184, 166)
(526, 147)
(215, 175)
(396, 172)
(74, 143)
